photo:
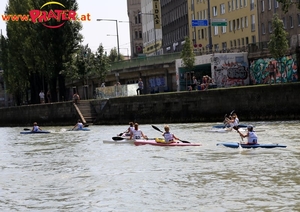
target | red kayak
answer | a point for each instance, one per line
(153, 142)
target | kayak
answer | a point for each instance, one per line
(248, 146)
(153, 142)
(123, 141)
(83, 129)
(226, 130)
(34, 132)
(223, 126)
(219, 130)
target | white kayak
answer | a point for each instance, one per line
(123, 141)
(227, 130)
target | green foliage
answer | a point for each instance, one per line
(286, 4)
(35, 55)
(278, 44)
(102, 64)
(187, 54)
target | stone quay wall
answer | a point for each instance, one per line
(251, 103)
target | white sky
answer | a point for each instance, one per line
(95, 32)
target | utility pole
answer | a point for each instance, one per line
(209, 27)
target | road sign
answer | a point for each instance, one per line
(219, 22)
(203, 22)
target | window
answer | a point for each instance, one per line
(241, 3)
(216, 47)
(215, 12)
(222, 8)
(269, 4)
(276, 4)
(247, 40)
(284, 22)
(243, 23)
(224, 45)
(262, 6)
(291, 22)
(263, 29)
(270, 26)
(243, 41)
(245, 3)
(237, 4)
(252, 23)
(238, 23)
(216, 30)
(223, 29)
(252, 5)
(232, 4)
(253, 39)
(246, 21)
(230, 26)
(231, 44)
(298, 18)
(229, 6)
(234, 26)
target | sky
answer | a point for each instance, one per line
(95, 32)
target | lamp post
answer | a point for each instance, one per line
(117, 33)
(153, 29)
(132, 38)
(209, 27)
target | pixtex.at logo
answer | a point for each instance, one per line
(52, 15)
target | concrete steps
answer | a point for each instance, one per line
(87, 111)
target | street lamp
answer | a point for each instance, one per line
(153, 29)
(117, 33)
(131, 32)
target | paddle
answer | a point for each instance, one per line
(156, 128)
(86, 125)
(26, 129)
(116, 138)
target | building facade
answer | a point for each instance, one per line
(232, 25)
(174, 24)
(135, 27)
(152, 28)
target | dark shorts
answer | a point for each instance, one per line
(272, 74)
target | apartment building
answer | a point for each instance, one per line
(152, 28)
(174, 24)
(291, 20)
(233, 25)
(135, 27)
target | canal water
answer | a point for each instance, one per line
(76, 171)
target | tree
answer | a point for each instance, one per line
(287, 3)
(278, 44)
(187, 54)
(101, 64)
(35, 54)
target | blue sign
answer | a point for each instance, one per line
(203, 22)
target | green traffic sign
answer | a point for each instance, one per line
(219, 23)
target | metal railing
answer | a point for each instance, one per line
(144, 61)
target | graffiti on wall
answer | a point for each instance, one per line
(230, 70)
(286, 70)
(157, 84)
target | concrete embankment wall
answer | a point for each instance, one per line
(252, 103)
(52, 114)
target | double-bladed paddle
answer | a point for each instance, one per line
(156, 128)
(26, 129)
(117, 138)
